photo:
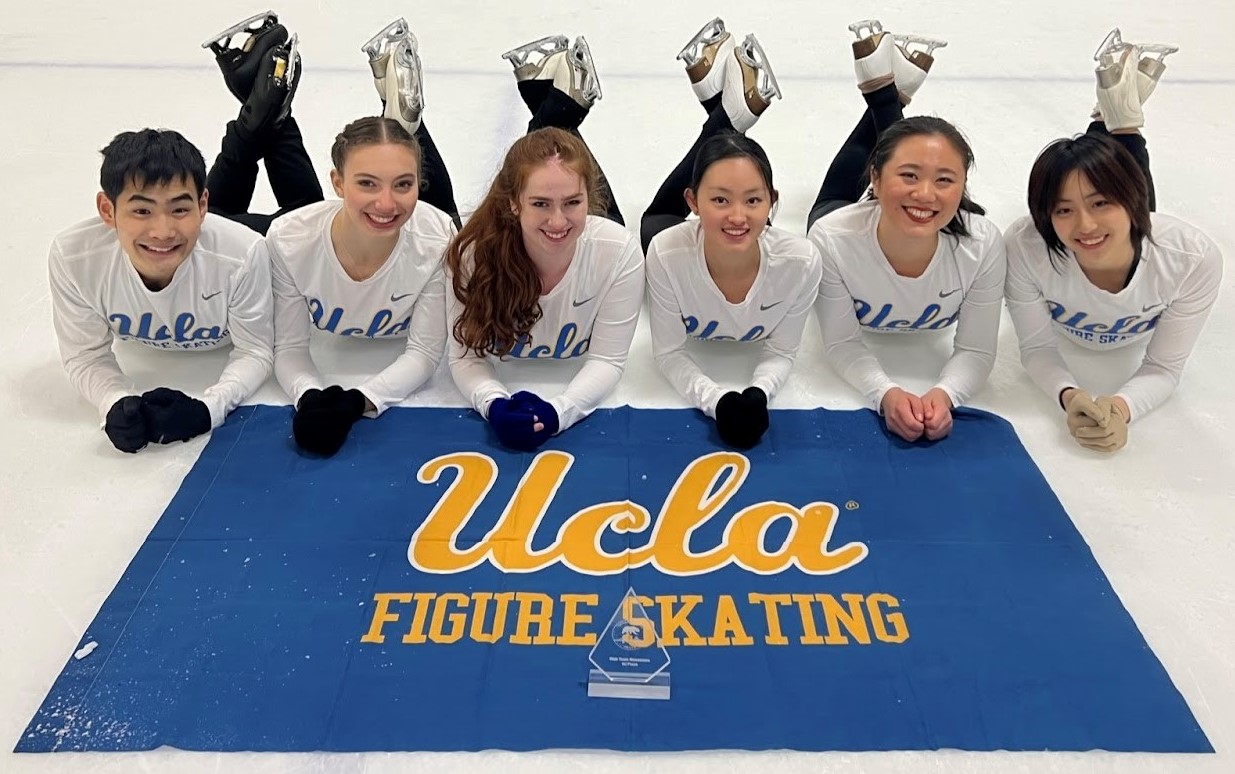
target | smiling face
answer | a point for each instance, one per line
(552, 210)
(379, 186)
(157, 226)
(1097, 230)
(920, 186)
(733, 203)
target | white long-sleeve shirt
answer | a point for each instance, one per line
(684, 303)
(962, 285)
(405, 298)
(591, 313)
(1167, 302)
(219, 295)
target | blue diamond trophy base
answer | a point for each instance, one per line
(628, 686)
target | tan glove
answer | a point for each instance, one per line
(1109, 437)
(1083, 412)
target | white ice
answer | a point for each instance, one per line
(1158, 515)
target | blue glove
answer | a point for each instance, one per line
(514, 419)
(542, 410)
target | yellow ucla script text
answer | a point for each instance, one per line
(684, 620)
(700, 492)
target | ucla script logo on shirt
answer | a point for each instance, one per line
(382, 324)
(928, 320)
(567, 345)
(1080, 326)
(702, 492)
(184, 332)
(708, 332)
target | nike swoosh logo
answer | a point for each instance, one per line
(395, 299)
(766, 307)
(950, 292)
(212, 295)
(1151, 306)
(581, 303)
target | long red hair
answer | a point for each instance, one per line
(491, 273)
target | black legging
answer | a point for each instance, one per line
(1134, 144)
(559, 111)
(293, 181)
(233, 176)
(846, 179)
(668, 207)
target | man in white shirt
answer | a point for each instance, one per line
(154, 267)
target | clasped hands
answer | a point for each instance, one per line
(914, 417)
(1100, 424)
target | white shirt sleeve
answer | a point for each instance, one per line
(251, 326)
(842, 336)
(1175, 335)
(610, 341)
(426, 341)
(669, 340)
(781, 348)
(472, 373)
(977, 331)
(85, 341)
(293, 365)
(1039, 343)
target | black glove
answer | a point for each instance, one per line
(126, 427)
(742, 419)
(173, 416)
(324, 417)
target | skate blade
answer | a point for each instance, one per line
(547, 46)
(1110, 44)
(392, 32)
(1158, 51)
(252, 25)
(582, 63)
(712, 32)
(928, 44)
(751, 53)
(866, 28)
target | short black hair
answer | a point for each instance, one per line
(150, 157)
(1108, 167)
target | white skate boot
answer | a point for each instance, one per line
(911, 62)
(1118, 96)
(1149, 69)
(872, 55)
(397, 73)
(705, 57)
(750, 84)
(576, 75)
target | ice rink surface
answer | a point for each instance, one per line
(1159, 515)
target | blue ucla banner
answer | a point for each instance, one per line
(833, 589)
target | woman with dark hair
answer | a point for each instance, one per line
(728, 276)
(544, 269)
(917, 253)
(367, 265)
(1094, 264)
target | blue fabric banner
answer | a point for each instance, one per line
(832, 589)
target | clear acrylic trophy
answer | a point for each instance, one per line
(629, 661)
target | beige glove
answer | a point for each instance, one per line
(1083, 412)
(1108, 436)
